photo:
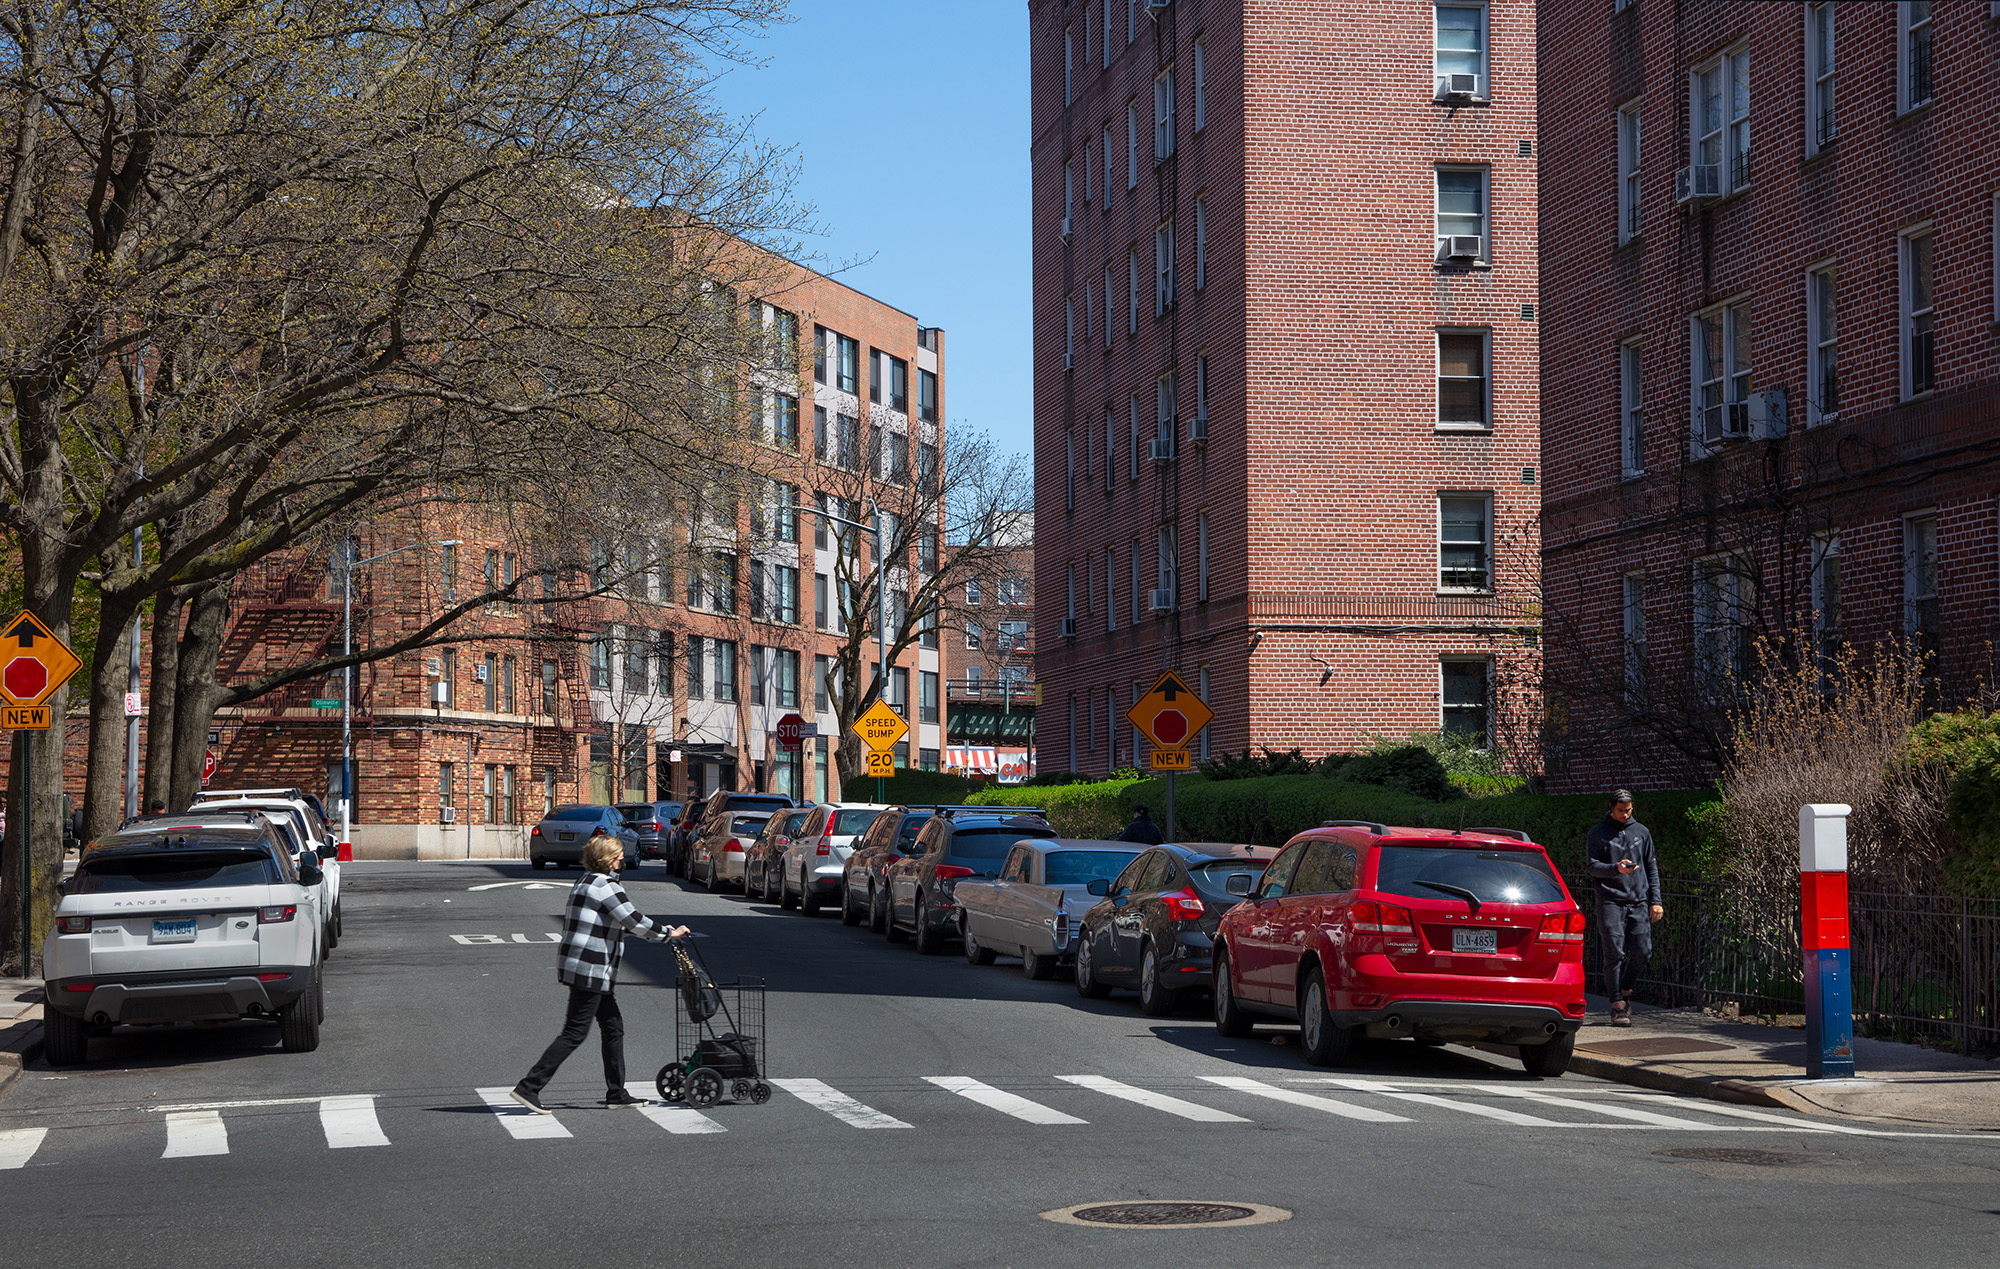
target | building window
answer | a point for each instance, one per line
(1089, 308)
(927, 696)
(1165, 408)
(509, 805)
(1201, 556)
(1108, 308)
(1826, 599)
(1629, 223)
(1724, 611)
(1069, 475)
(1820, 117)
(1132, 145)
(1131, 20)
(785, 422)
(638, 661)
(1138, 588)
(507, 699)
(820, 663)
(1920, 577)
(1086, 173)
(785, 664)
(548, 789)
(784, 339)
(1721, 360)
(491, 677)
(1132, 437)
(549, 688)
(1163, 115)
(850, 364)
(1069, 63)
(1822, 349)
(820, 337)
(448, 567)
(1465, 532)
(1719, 132)
(1635, 642)
(974, 635)
(1466, 700)
(600, 662)
(1463, 399)
(447, 789)
(663, 662)
(697, 662)
(1012, 591)
(1132, 293)
(1069, 332)
(1110, 588)
(489, 795)
(725, 669)
(1913, 54)
(1631, 409)
(1200, 243)
(1200, 85)
(1460, 49)
(1110, 165)
(1166, 564)
(1461, 216)
(1105, 32)
(1069, 194)
(927, 396)
(1918, 360)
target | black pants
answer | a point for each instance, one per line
(584, 1005)
(1626, 931)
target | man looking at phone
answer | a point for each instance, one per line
(1626, 874)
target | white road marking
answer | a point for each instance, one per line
(195, 1132)
(1738, 1112)
(1427, 1099)
(18, 1145)
(170, 1107)
(520, 1122)
(1618, 1112)
(675, 1119)
(1006, 1103)
(1331, 1105)
(350, 1122)
(838, 1104)
(1157, 1101)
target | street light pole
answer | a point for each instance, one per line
(881, 603)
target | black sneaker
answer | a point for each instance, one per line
(529, 1100)
(619, 1097)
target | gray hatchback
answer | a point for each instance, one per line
(563, 833)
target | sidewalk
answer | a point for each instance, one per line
(20, 1026)
(1690, 1051)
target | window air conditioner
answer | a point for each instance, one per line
(1163, 601)
(1162, 449)
(447, 814)
(1069, 627)
(1463, 246)
(1198, 431)
(440, 693)
(1065, 231)
(479, 674)
(1458, 85)
(1698, 181)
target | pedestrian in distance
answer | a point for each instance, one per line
(159, 806)
(1142, 829)
(1626, 875)
(595, 921)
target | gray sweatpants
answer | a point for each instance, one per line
(1626, 936)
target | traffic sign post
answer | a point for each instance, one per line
(33, 665)
(1171, 716)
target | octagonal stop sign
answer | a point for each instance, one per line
(1170, 728)
(24, 678)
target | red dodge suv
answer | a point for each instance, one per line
(1358, 928)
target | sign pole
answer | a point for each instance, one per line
(1170, 807)
(1824, 941)
(24, 842)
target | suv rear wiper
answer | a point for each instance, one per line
(1471, 899)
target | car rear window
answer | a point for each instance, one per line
(641, 813)
(990, 843)
(748, 823)
(847, 823)
(1494, 876)
(1077, 867)
(1214, 875)
(176, 870)
(579, 813)
(753, 803)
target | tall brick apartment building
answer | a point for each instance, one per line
(1285, 367)
(1772, 236)
(669, 685)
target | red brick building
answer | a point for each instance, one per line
(1770, 304)
(1286, 359)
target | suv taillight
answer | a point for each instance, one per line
(1183, 905)
(1560, 927)
(825, 846)
(1393, 922)
(73, 924)
(276, 913)
(650, 828)
(950, 872)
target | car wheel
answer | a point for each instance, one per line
(878, 913)
(809, 900)
(890, 930)
(849, 914)
(328, 938)
(1324, 1042)
(930, 939)
(974, 953)
(339, 926)
(785, 898)
(1154, 999)
(65, 1040)
(1087, 985)
(774, 883)
(298, 1025)
(539, 864)
(1546, 1061)
(1230, 1020)
(1038, 964)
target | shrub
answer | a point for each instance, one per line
(1461, 755)
(912, 788)
(1410, 769)
(1097, 811)
(1474, 786)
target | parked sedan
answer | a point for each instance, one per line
(1029, 910)
(761, 874)
(814, 860)
(948, 849)
(1407, 932)
(1155, 929)
(563, 832)
(697, 823)
(717, 859)
(654, 823)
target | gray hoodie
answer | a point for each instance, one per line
(1609, 842)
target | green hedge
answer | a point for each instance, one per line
(1269, 810)
(912, 788)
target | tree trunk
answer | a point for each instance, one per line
(104, 766)
(195, 688)
(166, 638)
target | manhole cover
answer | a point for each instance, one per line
(1167, 1214)
(1719, 1154)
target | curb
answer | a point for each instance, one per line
(13, 1060)
(1741, 1092)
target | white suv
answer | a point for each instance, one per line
(811, 867)
(171, 922)
(306, 824)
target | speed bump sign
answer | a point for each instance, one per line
(880, 727)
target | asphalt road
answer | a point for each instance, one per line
(930, 1112)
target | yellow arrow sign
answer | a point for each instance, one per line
(33, 662)
(880, 727)
(1171, 714)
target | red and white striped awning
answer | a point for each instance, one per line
(976, 761)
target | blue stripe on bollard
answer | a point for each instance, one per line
(1829, 1014)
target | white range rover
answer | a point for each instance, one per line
(185, 923)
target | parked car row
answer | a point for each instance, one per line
(1351, 929)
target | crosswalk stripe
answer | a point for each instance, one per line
(1738, 1112)
(350, 1122)
(675, 1119)
(18, 1145)
(1006, 1103)
(838, 1104)
(1616, 1112)
(196, 1132)
(1331, 1105)
(1447, 1103)
(520, 1122)
(1158, 1101)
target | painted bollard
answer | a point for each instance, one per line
(1823, 937)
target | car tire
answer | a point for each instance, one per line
(975, 954)
(1087, 985)
(1039, 965)
(1546, 1061)
(1230, 1020)
(809, 900)
(328, 938)
(65, 1039)
(298, 1024)
(890, 930)
(538, 864)
(878, 914)
(774, 883)
(1323, 1041)
(339, 926)
(849, 914)
(1154, 999)
(930, 939)
(785, 898)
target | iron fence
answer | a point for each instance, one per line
(1926, 967)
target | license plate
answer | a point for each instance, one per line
(1475, 940)
(565, 837)
(174, 931)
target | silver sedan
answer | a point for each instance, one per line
(1030, 906)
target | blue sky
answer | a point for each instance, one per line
(910, 122)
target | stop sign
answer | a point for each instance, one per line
(25, 677)
(1170, 727)
(791, 728)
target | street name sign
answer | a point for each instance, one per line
(1170, 715)
(33, 662)
(1171, 760)
(880, 727)
(882, 763)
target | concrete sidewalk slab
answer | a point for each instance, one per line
(20, 1026)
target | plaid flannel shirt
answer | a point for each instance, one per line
(594, 924)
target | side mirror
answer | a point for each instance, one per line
(1099, 886)
(309, 873)
(62, 887)
(1238, 884)
(329, 851)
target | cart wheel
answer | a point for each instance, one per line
(740, 1091)
(760, 1092)
(704, 1088)
(669, 1082)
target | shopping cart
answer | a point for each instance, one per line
(719, 1033)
